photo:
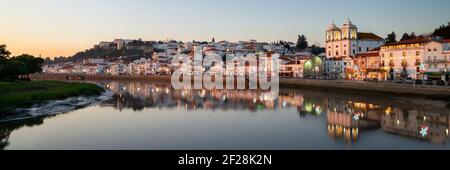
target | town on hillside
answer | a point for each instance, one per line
(348, 54)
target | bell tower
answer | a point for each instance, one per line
(333, 33)
(349, 31)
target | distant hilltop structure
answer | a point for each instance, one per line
(347, 41)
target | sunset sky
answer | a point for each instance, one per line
(64, 27)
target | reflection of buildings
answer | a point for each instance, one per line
(404, 122)
(339, 109)
(342, 122)
(409, 123)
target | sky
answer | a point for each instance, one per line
(63, 27)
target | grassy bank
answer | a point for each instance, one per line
(24, 94)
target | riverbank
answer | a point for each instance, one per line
(14, 95)
(409, 90)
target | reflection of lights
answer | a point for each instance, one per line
(446, 132)
(424, 131)
(398, 122)
(284, 104)
(388, 111)
(255, 100)
(356, 117)
(318, 110)
(308, 107)
(425, 118)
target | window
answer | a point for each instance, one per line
(435, 49)
(337, 53)
(429, 50)
(360, 49)
(367, 49)
(337, 46)
(391, 55)
(404, 54)
(354, 52)
(345, 45)
(345, 52)
(417, 53)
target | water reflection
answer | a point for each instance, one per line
(347, 116)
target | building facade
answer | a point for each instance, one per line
(424, 58)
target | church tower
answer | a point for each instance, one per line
(333, 33)
(349, 31)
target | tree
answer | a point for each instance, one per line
(405, 37)
(391, 38)
(316, 49)
(443, 31)
(12, 70)
(4, 54)
(413, 35)
(302, 43)
(32, 64)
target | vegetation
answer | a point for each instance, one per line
(24, 94)
(302, 43)
(391, 38)
(407, 36)
(443, 31)
(11, 69)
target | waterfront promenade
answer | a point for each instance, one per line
(325, 85)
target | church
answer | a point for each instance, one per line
(347, 41)
(342, 44)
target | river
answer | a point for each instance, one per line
(148, 115)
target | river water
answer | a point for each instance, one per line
(149, 115)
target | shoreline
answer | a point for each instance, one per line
(431, 92)
(441, 93)
(56, 107)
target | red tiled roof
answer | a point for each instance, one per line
(368, 54)
(368, 36)
(411, 41)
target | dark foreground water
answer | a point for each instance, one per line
(144, 115)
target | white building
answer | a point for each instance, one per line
(344, 43)
(336, 68)
(422, 58)
(347, 41)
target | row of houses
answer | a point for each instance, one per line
(359, 56)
